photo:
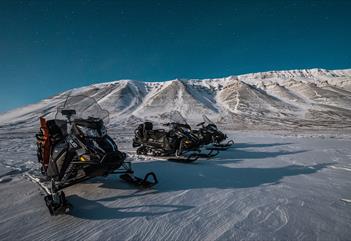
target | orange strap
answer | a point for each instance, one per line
(46, 142)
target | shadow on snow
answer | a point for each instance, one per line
(94, 210)
(204, 174)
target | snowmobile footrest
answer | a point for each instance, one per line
(141, 182)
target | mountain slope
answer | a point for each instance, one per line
(288, 99)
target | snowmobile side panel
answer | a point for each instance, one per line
(57, 160)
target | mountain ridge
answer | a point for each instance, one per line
(287, 99)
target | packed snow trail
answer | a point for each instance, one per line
(268, 187)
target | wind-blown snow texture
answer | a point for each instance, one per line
(315, 98)
(277, 185)
(268, 187)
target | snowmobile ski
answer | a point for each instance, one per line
(140, 182)
(56, 202)
(37, 181)
(221, 147)
(224, 145)
(193, 157)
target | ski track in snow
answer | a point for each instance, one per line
(267, 187)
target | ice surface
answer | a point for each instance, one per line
(269, 186)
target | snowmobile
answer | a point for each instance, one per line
(178, 144)
(74, 147)
(209, 134)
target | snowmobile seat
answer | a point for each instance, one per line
(57, 129)
(156, 134)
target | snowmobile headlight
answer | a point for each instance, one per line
(89, 132)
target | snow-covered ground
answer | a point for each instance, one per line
(269, 186)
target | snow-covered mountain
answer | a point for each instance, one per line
(311, 98)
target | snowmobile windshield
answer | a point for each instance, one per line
(207, 120)
(176, 117)
(210, 125)
(81, 107)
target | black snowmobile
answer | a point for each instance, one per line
(177, 144)
(209, 134)
(75, 147)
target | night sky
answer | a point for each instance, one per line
(50, 46)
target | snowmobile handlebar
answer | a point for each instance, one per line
(177, 125)
(171, 124)
(201, 124)
(68, 112)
